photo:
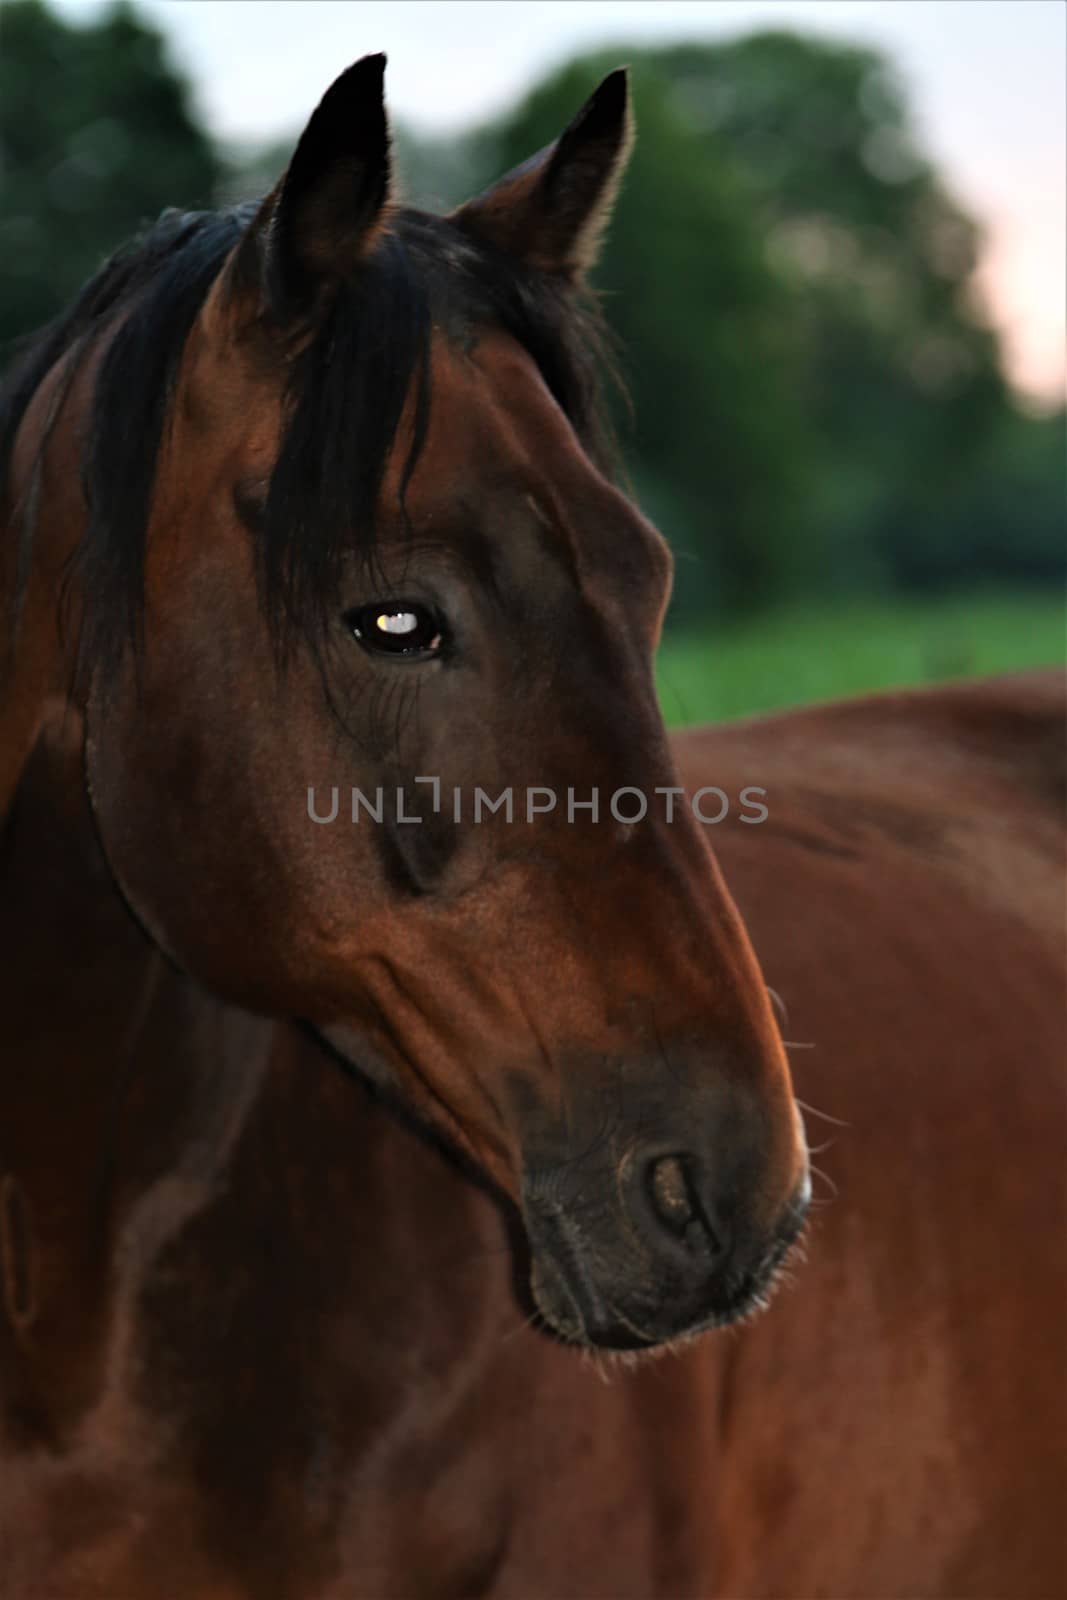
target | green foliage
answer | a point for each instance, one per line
(804, 654)
(1006, 516)
(97, 136)
(901, 380)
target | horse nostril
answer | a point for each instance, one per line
(676, 1204)
(670, 1192)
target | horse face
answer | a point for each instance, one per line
(396, 838)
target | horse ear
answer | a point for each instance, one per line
(552, 211)
(315, 227)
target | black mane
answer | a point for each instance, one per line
(346, 390)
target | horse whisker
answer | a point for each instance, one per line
(778, 1003)
(825, 1115)
(817, 1172)
(533, 1320)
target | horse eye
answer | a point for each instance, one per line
(396, 628)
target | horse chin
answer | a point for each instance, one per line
(588, 1319)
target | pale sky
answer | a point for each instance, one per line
(986, 80)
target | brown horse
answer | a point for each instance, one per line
(306, 511)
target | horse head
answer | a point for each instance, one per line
(359, 757)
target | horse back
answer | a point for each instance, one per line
(905, 898)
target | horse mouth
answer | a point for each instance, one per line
(575, 1307)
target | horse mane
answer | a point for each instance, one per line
(345, 389)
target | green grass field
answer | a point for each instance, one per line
(793, 658)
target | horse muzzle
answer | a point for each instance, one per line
(672, 1237)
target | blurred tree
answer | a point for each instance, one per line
(902, 377)
(97, 136)
(1006, 519)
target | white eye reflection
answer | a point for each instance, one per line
(396, 622)
(397, 628)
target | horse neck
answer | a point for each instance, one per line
(143, 1121)
(44, 488)
(117, 1114)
